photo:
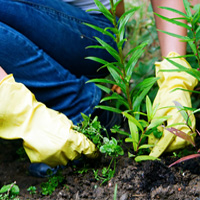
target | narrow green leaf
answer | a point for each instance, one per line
(99, 60)
(101, 80)
(100, 30)
(175, 11)
(143, 158)
(123, 21)
(133, 60)
(95, 47)
(197, 110)
(141, 91)
(134, 134)
(149, 108)
(132, 119)
(145, 146)
(114, 74)
(183, 112)
(116, 97)
(191, 71)
(174, 21)
(157, 122)
(104, 88)
(187, 8)
(173, 35)
(116, 110)
(193, 47)
(104, 10)
(110, 49)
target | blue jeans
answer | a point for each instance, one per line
(43, 43)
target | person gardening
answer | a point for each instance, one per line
(43, 46)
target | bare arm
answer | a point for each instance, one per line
(169, 43)
(2, 74)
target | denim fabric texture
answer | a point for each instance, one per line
(43, 44)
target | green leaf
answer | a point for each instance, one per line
(146, 146)
(134, 134)
(101, 80)
(115, 75)
(143, 158)
(175, 11)
(104, 11)
(141, 91)
(110, 49)
(123, 21)
(117, 97)
(174, 21)
(133, 60)
(157, 122)
(173, 34)
(187, 8)
(183, 112)
(100, 30)
(99, 60)
(149, 108)
(109, 108)
(132, 119)
(104, 88)
(191, 71)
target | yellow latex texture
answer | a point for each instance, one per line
(165, 97)
(47, 135)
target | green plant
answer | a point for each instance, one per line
(22, 154)
(9, 191)
(121, 73)
(32, 190)
(110, 147)
(141, 129)
(53, 181)
(121, 70)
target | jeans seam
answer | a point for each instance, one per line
(49, 10)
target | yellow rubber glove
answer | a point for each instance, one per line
(167, 82)
(47, 135)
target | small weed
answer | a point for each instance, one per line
(49, 187)
(32, 190)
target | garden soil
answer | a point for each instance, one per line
(134, 181)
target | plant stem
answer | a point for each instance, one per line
(120, 51)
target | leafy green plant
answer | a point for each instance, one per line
(9, 191)
(32, 190)
(141, 129)
(121, 73)
(110, 147)
(121, 70)
(53, 181)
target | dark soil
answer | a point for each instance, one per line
(135, 181)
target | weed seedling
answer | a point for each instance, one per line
(32, 190)
(49, 187)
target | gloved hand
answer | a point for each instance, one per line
(47, 135)
(167, 82)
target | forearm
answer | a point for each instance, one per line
(167, 42)
(2, 73)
